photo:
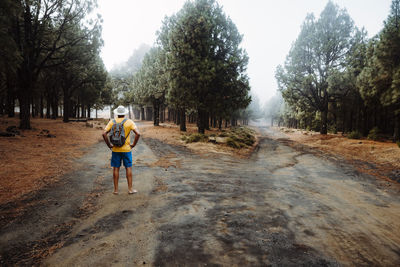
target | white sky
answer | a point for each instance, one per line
(269, 28)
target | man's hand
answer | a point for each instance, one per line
(105, 137)
(137, 136)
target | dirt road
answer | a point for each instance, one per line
(284, 206)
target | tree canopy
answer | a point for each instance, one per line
(54, 49)
(203, 62)
(334, 77)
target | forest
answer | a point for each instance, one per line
(51, 66)
(50, 59)
(335, 79)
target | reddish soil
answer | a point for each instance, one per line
(31, 160)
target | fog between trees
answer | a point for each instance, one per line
(334, 77)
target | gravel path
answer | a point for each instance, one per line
(284, 206)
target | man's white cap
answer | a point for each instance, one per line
(121, 110)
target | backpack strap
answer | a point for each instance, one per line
(114, 126)
(123, 125)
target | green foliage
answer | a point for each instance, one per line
(374, 134)
(60, 48)
(196, 137)
(313, 74)
(242, 136)
(398, 143)
(332, 129)
(206, 67)
(232, 143)
(354, 135)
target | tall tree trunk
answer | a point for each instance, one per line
(324, 122)
(365, 122)
(54, 108)
(88, 111)
(351, 120)
(162, 114)
(24, 97)
(24, 109)
(67, 103)
(182, 126)
(156, 115)
(344, 119)
(201, 121)
(204, 121)
(10, 101)
(47, 108)
(396, 132)
(32, 104)
(207, 121)
(177, 116)
(41, 106)
(142, 117)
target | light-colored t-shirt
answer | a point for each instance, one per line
(128, 126)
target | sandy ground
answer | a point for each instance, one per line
(32, 160)
(287, 204)
(378, 158)
(282, 206)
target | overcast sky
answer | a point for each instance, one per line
(269, 27)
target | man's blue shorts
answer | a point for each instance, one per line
(118, 156)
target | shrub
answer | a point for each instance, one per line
(250, 141)
(232, 143)
(241, 137)
(354, 135)
(223, 134)
(398, 143)
(196, 137)
(332, 129)
(374, 134)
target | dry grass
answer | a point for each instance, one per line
(385, 155)
(170, 133)
(32, 160)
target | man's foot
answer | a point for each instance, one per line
(115, 192)
(133, 191)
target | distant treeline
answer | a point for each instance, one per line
(336, 79)
(50, 57)
(196, 70)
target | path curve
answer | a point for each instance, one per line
(283, 206)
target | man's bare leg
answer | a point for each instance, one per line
(116, 178)
(129, 180)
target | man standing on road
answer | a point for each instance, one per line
(122, 153)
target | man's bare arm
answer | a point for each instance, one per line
(105, 137)
(137, 136)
